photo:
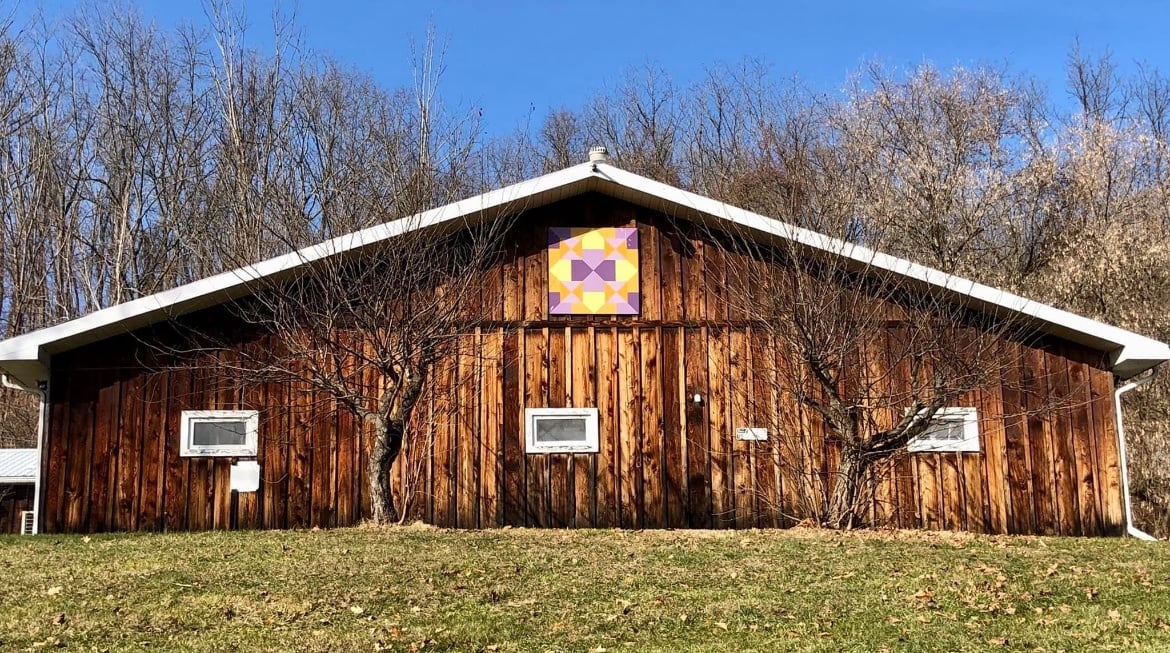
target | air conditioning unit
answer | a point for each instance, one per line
(28, 522)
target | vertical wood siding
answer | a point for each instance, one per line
(665, 460)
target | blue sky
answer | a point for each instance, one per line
(515, 58)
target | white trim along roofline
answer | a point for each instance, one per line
(17, 480)
(26, 358)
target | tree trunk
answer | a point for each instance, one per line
(844, 495)
(387, 446)
(391, 429)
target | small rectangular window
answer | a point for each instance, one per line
(561, 430)
(951, 429)
(219, 433)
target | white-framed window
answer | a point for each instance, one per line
(951, 429)
(219, 433)
(560, 430)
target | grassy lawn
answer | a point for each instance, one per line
(417, 588)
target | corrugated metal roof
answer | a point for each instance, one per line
(18, 465)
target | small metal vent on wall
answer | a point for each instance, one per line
(28, 520)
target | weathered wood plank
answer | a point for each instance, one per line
(128, 432)
(952, 501)
(512, 278)
(694, 285)
(1081, 423)
(468, 433)
(929, 490)
(674, 436)
(1108, 457)
(445, 465)
(1060, 427)
(346, 432)
(322, 454)
(515, 498)
(107, 443)
(670, 261)
(995, 465)
(650, 282)
(740, 396)
(583, 394)
(154, 451)
(715, 277)
(697, 427)
(199, 470)
(722, 474)
(536, 396)
(608, 466)
(58, 436)
(559, 384)
(491, 424)
(764, 454)
(1039, 440)
(1022, 519)
(535, 246)
(629, 428)
(300, 416)
(652, 430)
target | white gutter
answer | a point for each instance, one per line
(42, 417)
(1132, 385)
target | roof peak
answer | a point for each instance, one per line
(26, 358)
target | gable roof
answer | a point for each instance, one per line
(18, 466)
(25, 358)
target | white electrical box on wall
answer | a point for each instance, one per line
(245, 476)
(753, 434)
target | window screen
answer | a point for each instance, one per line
(948, 429)
(219, 434)
(560, 429)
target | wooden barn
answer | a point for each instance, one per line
(617, 375)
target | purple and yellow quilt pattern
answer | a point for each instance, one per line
(593, 271)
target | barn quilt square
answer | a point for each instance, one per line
(593, 271)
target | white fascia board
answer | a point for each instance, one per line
(17, 480)
(1131, 353)
(35, 347)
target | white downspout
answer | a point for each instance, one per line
(1132, 385)
(42, 415)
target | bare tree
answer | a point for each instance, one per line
(858, 361)
(372, 330)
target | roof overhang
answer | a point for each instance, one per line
(25, 359)
(17, 480)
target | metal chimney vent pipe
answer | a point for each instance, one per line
(598, 154)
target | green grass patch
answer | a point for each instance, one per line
(417, 588)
